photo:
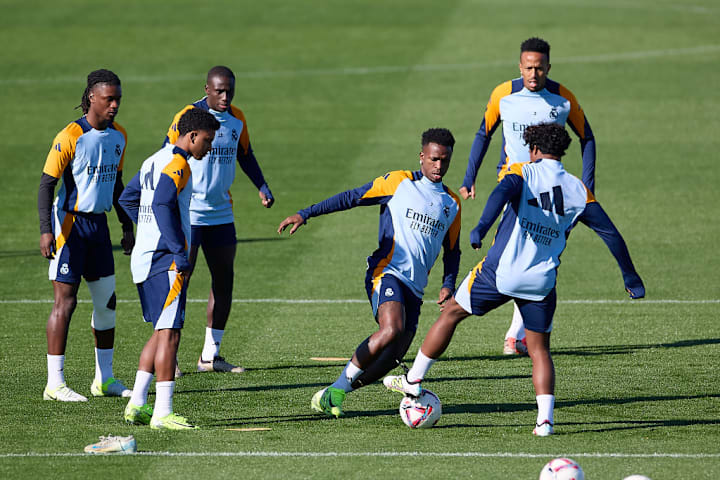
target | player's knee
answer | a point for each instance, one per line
(390, 333)
(453, 313)
(102, 292)
(65, 306)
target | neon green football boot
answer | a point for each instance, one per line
(171, 422)
(328, 401)
(135, 415)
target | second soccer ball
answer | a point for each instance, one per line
(562, 469)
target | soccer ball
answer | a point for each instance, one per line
(421, 412)
(562, 469)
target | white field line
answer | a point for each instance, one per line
(355, 300)
(383, 69)
(384, 454)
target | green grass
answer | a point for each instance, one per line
(634, 378)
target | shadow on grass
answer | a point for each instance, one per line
(291, 386)
(591, 350)
(485, 408)
(20, 253)
(263, 239)
(599, 427)
(622, 349)
(117, 248)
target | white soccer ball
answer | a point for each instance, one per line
(562, 469)
(421, 412)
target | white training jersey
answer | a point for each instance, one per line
(551, 201)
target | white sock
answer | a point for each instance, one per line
(211, 349)
(517, 327)
(103, 364)
(546, 404)
(349, 374)
(56, 376)
(163, 399)
(141, 387)
(420, 367)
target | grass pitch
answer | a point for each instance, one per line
(336, 94)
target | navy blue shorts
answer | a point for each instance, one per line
(213, 235)
(477, 294)
(83, 247)
(163, 298)
(388, 288)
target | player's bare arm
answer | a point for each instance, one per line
(295, 220)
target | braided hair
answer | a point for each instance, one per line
(95, 77)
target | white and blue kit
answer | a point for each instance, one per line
(516, 108)
(544, 202)
(158, 200)
(213, 175)
(418, 218)
(90, 163)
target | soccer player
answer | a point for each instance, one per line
(88, 155)
(418, 216)
(211, 213)
(531, 99)
(158, 200)
(544, 203)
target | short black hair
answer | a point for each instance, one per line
(95, 77)
(535, 44)
(197, 119)
(441, 136)
(549, 138)
(220, 71)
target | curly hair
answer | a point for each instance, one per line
(94, 78)
(441, 136)
(535, 44)
(549, 138)
(197, 119)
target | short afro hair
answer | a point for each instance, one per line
(441, 136)
(535, 44)
(220, 71)
(197, 119)
(549, 138)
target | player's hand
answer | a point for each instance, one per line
(127, 242)
(444, 296)
(47, 245)
(475, 238)
(465, 194)
(267, 201)
(182, 265)
(295, 220)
